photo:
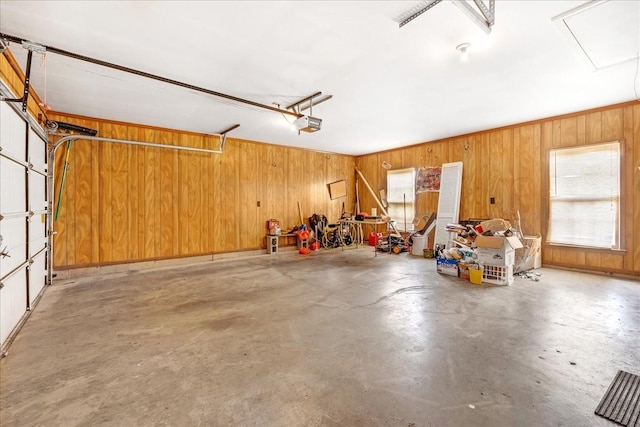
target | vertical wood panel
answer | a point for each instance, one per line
(568, 132)
(508, 190)
(495, 184)
(230, 197)
(626, 182)
(119, 195)
(593, 125)
(175, 196)
(194, 216)
(166, 196)
(249, 224)
(581, 130)
(483, 191)
(183, 198)
(150, 200)
(546, 143)
(612, 124)
(133, 206)
(83, 154)
(217, 216)
(68, 207)
(105, 197)
(207, 191)
(142, 202)
(526, 200)
(535, 215)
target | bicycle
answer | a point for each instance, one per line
(342, 233)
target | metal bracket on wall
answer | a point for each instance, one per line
(32, 47)
(223, 136)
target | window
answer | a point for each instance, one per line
(584, 196)
(401, 196)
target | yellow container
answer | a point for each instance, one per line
(475, 276)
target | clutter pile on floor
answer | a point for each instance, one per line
(489, 251)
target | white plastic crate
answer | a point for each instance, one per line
(498, 274)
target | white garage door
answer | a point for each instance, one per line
(23, 253)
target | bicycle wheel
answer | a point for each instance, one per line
(348, 234)
(326, 240)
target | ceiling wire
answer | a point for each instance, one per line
(43, 63)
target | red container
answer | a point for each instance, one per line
(372, 238)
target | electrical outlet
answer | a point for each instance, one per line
(258, 203)
(492, 200)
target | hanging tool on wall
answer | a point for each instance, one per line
(53, 126)
(62, 180)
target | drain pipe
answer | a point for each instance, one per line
(68, 138)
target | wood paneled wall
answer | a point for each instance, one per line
(511, 164)
(125, 203)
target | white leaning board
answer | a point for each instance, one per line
(448, 201)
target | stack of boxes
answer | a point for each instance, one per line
(496, 248)
(497, 255)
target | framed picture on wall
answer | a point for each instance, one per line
(428, 179)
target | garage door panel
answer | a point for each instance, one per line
(13, 198)
(12, 132)
(37, 201)
(37, 277)
(13, 302)
(23, 272)
(37, 152)
(13, 231)
(37, 239)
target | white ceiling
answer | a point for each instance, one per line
(391, 86)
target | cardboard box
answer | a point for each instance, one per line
(496, 250)
(447, 266)
(495, 225)
(530, 255)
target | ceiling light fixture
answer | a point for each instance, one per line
(462, 48)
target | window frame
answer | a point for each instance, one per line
(619, 233)
(399, 222)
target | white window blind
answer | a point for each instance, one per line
(401, 196)
(584, 196)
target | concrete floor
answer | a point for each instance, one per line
(335, 338)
